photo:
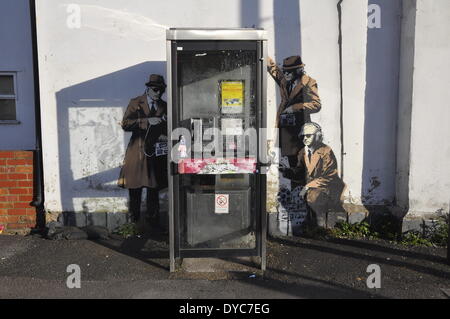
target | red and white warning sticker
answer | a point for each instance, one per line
(222, 203)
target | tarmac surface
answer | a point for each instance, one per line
(137, 267)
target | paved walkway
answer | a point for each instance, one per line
(297, 268)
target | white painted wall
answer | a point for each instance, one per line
(16, 56)
(381, 104)
(320, 53)
(405, 96)
(354, 29)
(429, 178)
(319, 28)
(88, 75)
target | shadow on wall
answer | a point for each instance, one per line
(91, 141)
(286, 15)
(250, 13)
(287, 26)
(381, 105)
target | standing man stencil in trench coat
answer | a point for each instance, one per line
(299, 98)
(145, 163)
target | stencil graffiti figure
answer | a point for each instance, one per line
(145, 163)
(299, 98)
(317, 170)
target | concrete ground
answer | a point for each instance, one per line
(33, 267)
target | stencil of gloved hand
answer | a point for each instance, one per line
(289, 109)
(303, 192)
(154, 120)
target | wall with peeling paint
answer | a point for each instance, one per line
(88, 75)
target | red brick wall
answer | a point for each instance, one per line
(16, 190)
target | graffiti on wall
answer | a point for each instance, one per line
(309, 184)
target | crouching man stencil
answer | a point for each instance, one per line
(317, 171)
(145, 164)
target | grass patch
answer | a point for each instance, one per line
(354, 231)
(415, 238)
(438, 231)
(127, 230)
(434, 234)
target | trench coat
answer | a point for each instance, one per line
(304, 99)
(139, 170)
(321, 173)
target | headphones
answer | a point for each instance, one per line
(318, 132)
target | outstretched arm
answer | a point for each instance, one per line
(274, 70)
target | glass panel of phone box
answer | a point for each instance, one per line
(217, 94)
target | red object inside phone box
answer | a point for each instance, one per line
(217, 166)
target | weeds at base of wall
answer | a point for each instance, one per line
(343, 230)
(354, 231)
(127, 230)
(433, 235)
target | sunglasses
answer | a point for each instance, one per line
(154, 89)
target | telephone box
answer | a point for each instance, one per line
(217, 153)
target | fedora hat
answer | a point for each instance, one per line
(292, 62)
(156, 80)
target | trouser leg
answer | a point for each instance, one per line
(317, 202)
(153, 204)
(135, 204)
(293, 159)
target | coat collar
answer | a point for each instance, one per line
(146, 108)
(300, 85)
(315, 157)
